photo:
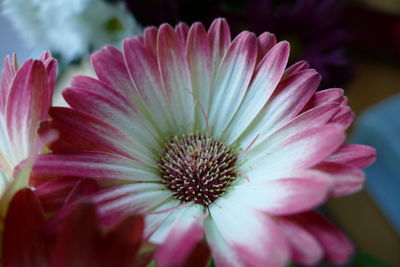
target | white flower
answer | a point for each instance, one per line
(70, 27)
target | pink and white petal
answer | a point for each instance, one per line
(357, 156)
(346, 180)
(7, 76)
(150, 39)
(116, 114)
(121, 201)
(144, 71)
(219, 36)
(305, 249)
(109, 65)
(199, 60)
(300, 151)
(185, 234)
(267, 76)
(288, 100)
(246, 233)
(265, 42)
(177, 212)
(325, 96)
(27, 104)
(94, 165)
(294, 193)
(176, 77)
(336, 245)
(316, 117)
(232, 80)
(344, 117)
(182, 29)
(295, 68)
(102, 133)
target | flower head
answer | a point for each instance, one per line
(207, 137)
(25, 98)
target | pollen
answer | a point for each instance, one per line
(197, 169)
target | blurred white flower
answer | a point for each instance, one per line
(70, 27)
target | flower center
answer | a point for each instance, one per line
(197, 168)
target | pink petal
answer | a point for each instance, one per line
(199, 59)
(239, 236)
(287, 101)
(266, 77)
(346, 180)
(293, 193)
(150, 39)
(295, 68)
(324, 96)
(93, 165)
(7, 76)
(97, 131)
(265, 42)
(186, 233)
(23, 232)
(220, 39)
(338, 248)
(232, 80)
(300, 151)
(175, 76)
(305, 249)
(182, 29)
(27, 104)
(108, 63)
(357, 156)
(144, 71)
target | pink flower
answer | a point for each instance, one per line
(25, 98)
(209, 138)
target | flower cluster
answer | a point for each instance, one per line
(187, 145)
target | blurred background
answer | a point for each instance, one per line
(355, 45)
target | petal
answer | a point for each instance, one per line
(7, 77)
(296, 192)
(144, 71)
(109, 65)
(346, 180)
(232, 80)
(236, 232)
(199, 60)
(266, 77)
(23, 231)
(265, 42)
(357, 156)
(176, 77)
(94, 165)
(338, 248)
(150, 39)
(182, 29)
(95, 130)
(220, 38)
(287, 101)
(300, 151)
(305, 248)
(186, 233)
(28, 103)
(295, 68)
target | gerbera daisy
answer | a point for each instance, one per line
(207, 137)
(25, 98)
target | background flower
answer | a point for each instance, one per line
(70, 28)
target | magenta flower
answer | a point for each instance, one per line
(209, 138)
(25, 98)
